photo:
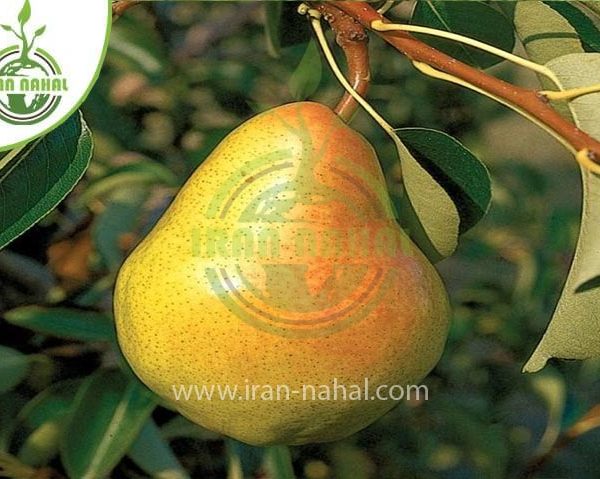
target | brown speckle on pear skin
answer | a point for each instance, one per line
(176, 328)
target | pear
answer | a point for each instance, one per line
(277, 301)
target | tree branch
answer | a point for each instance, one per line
(529, 101)
(353, 40)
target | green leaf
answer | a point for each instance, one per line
(8, 28)
(583, 25)
(120, 217)
(473, 19)
(108, 413)
(409, 221)
(573, 330)
(40, 31)
(42, 444)
(25, 13)
(455, 168)
(181, 427)
(544, 33)
(154, 456)
(135, 45)
(306, 78)
(64, 323)
(50, 404)
(36, 178)
(10, 405)
(273, 11)
(13, 368)
(433, 206)
(592, 5)
(245, 460)
(126, 177)
(278, 462)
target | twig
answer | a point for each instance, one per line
(531, 102)
(591, 420)
(538, 463)
(353, 40)
(26, 273)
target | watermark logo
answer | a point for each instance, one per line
(31, 85)
(300, 242)
(48, 62)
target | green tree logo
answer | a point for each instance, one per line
(31, 85)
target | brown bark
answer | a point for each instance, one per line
(527, 100)
(353, 40)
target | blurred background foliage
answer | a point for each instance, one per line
(178, 77)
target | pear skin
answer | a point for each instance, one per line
(279, 270)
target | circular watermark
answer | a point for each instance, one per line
(50, 56)
(31, 85)
(300, 244)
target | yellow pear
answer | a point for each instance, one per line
(277, 301)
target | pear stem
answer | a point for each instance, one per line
(315, 20)
(353, 40)
(531, 103)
